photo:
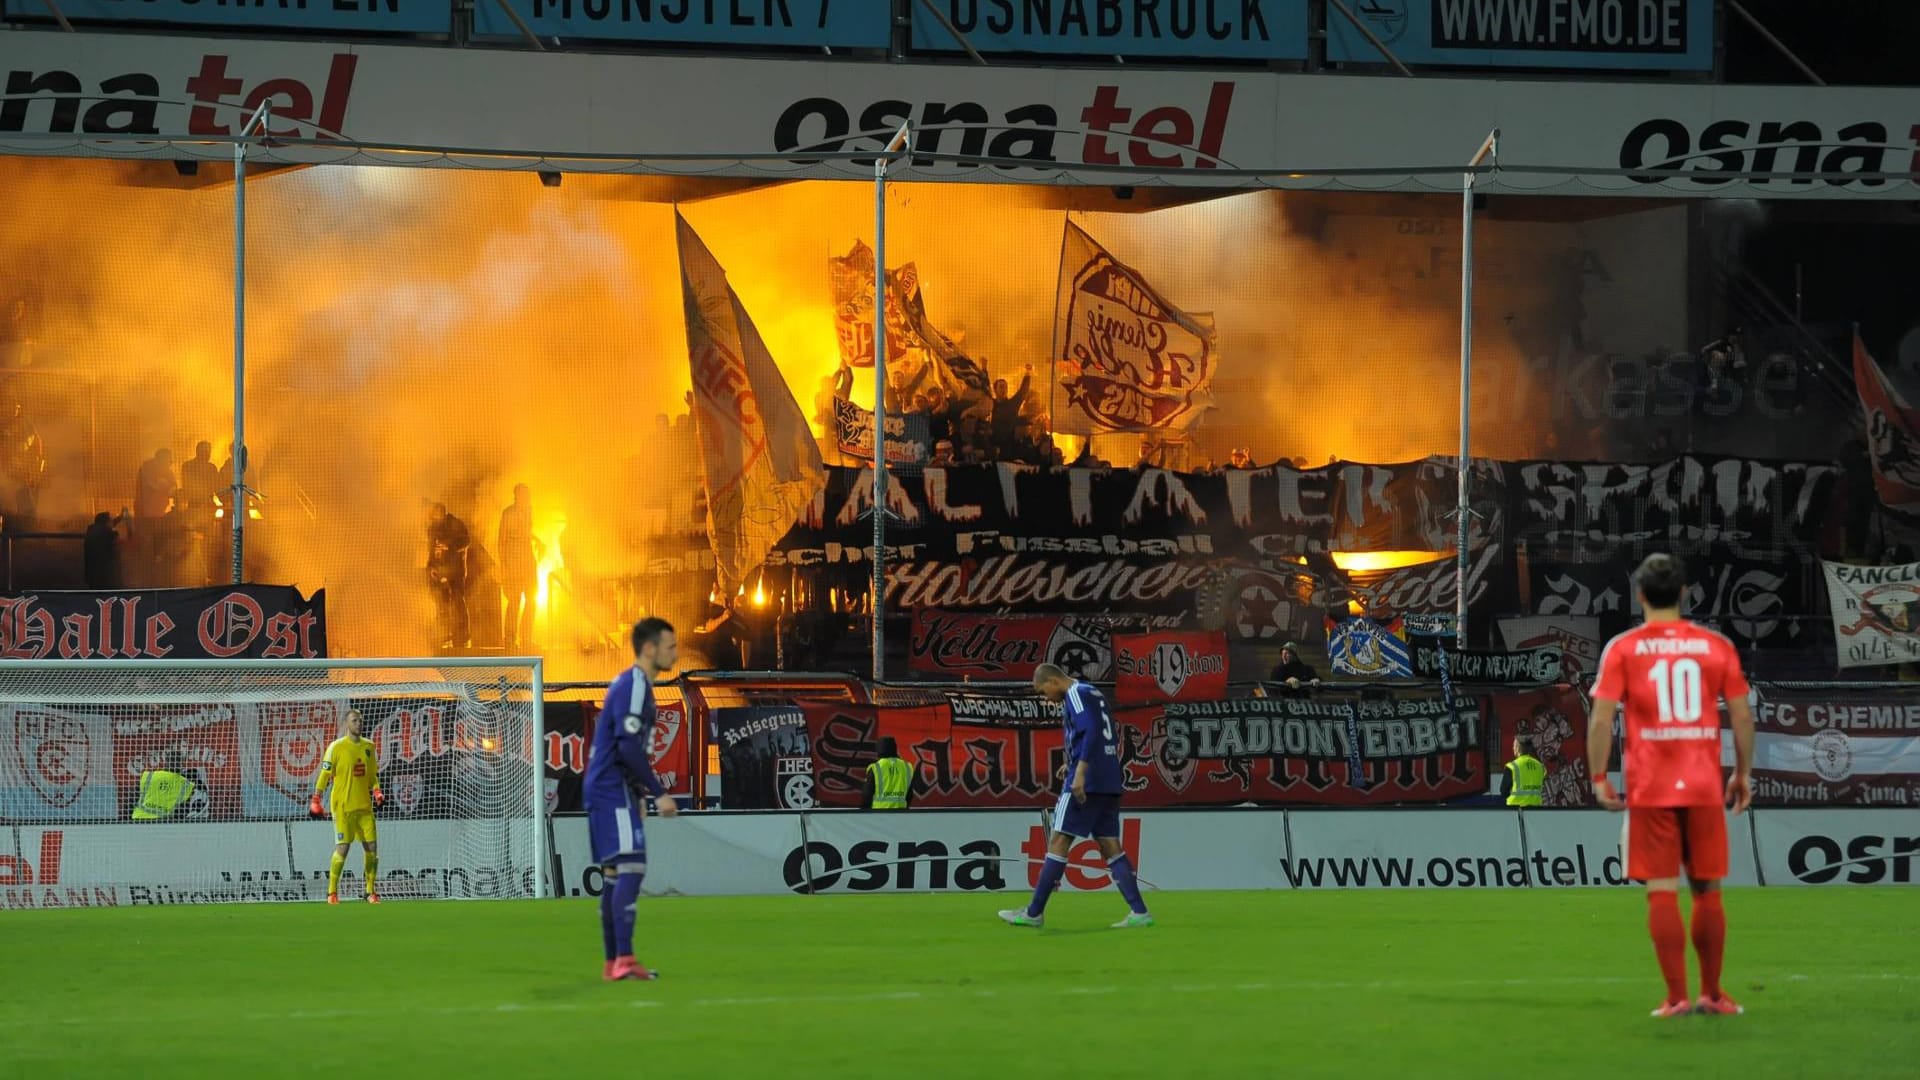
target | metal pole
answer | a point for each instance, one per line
(1778, 46)
(237, 494)
(1372, 37)
(902, 142)
(1490, 147)
(539, 755)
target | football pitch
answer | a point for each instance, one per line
(1367, 984)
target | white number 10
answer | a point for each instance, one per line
(1677, 685)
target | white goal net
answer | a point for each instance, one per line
(454, 742)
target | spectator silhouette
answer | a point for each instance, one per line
(101, 554)
(519, 568)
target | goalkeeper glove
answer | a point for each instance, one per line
(379, 800)
(313, 806)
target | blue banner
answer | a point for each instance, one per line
(1192, 29)
(852, 24)
(1662, 35)
(355, 16)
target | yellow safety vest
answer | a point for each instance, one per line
(161, 793)
(892, 778)
(1529, 781)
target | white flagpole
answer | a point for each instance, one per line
(1489, 149)
(902, 143)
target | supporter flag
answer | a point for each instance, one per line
(761, 462)
(1369, 648)
(851, 278)
(1127, 359)
(1891, 439)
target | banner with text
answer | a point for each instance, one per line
(1184, 666)
(337, 16)
(1411, 746)
(765, 763)
(956, 645)
(1640, 35)
(1185, 29)
(1876, 613)
(1835, 747)
(908, 440)
(1517, 667)
(227, 622)
(800, 24)
(569, 741)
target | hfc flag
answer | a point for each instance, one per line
(761, 462)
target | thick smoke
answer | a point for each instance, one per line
(418, 336)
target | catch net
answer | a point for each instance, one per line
(230, 751)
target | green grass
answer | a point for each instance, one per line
(1527, 983)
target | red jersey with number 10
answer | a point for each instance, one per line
(1669, 678)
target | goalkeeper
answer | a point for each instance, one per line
(350, 767)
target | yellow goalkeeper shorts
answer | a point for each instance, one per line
(352, 825)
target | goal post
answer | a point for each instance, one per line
(457, 742)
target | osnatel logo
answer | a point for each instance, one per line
(1109, 131)
(1865, 860)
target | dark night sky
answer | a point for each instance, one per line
(1846, 42)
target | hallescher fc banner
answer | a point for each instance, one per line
(1876, 613)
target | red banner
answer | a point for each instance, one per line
(1412, 748)
(1893, 433)
(255, 622)
(1554, 719)
(200, 742)
(1169, 667)
(979, 646)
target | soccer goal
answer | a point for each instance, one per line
(242, 742)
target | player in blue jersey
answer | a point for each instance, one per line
(1090, 801)
(619, 770)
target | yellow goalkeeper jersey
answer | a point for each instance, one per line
(349, 765)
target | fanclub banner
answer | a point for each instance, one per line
(1876, 613)
(257, 760)
(228, 622)
(908, 438)
(1576, 636)
(1554, 720)
(1748, 599)
(765, 763)
(1018, 539)
(957, 645)
(1183, 666)
(1410, 746)
(1514, 667)
(569, 742)
(1835, 747)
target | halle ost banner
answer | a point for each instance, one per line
(226, 622)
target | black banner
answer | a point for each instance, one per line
(1003, 710)
(1018, 538)
(1748, 599)
(766, 762)
(909, 438)
(1517, 667)
(252, 622)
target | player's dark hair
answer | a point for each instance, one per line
(1661, 579)
(1522, 744)
(647, 631)
(889, 748)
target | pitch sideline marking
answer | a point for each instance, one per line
(920, 995)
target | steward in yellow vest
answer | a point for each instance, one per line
(889, 783)
(1529, 775)
(162, 791)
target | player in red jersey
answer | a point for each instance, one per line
(1669, 675)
